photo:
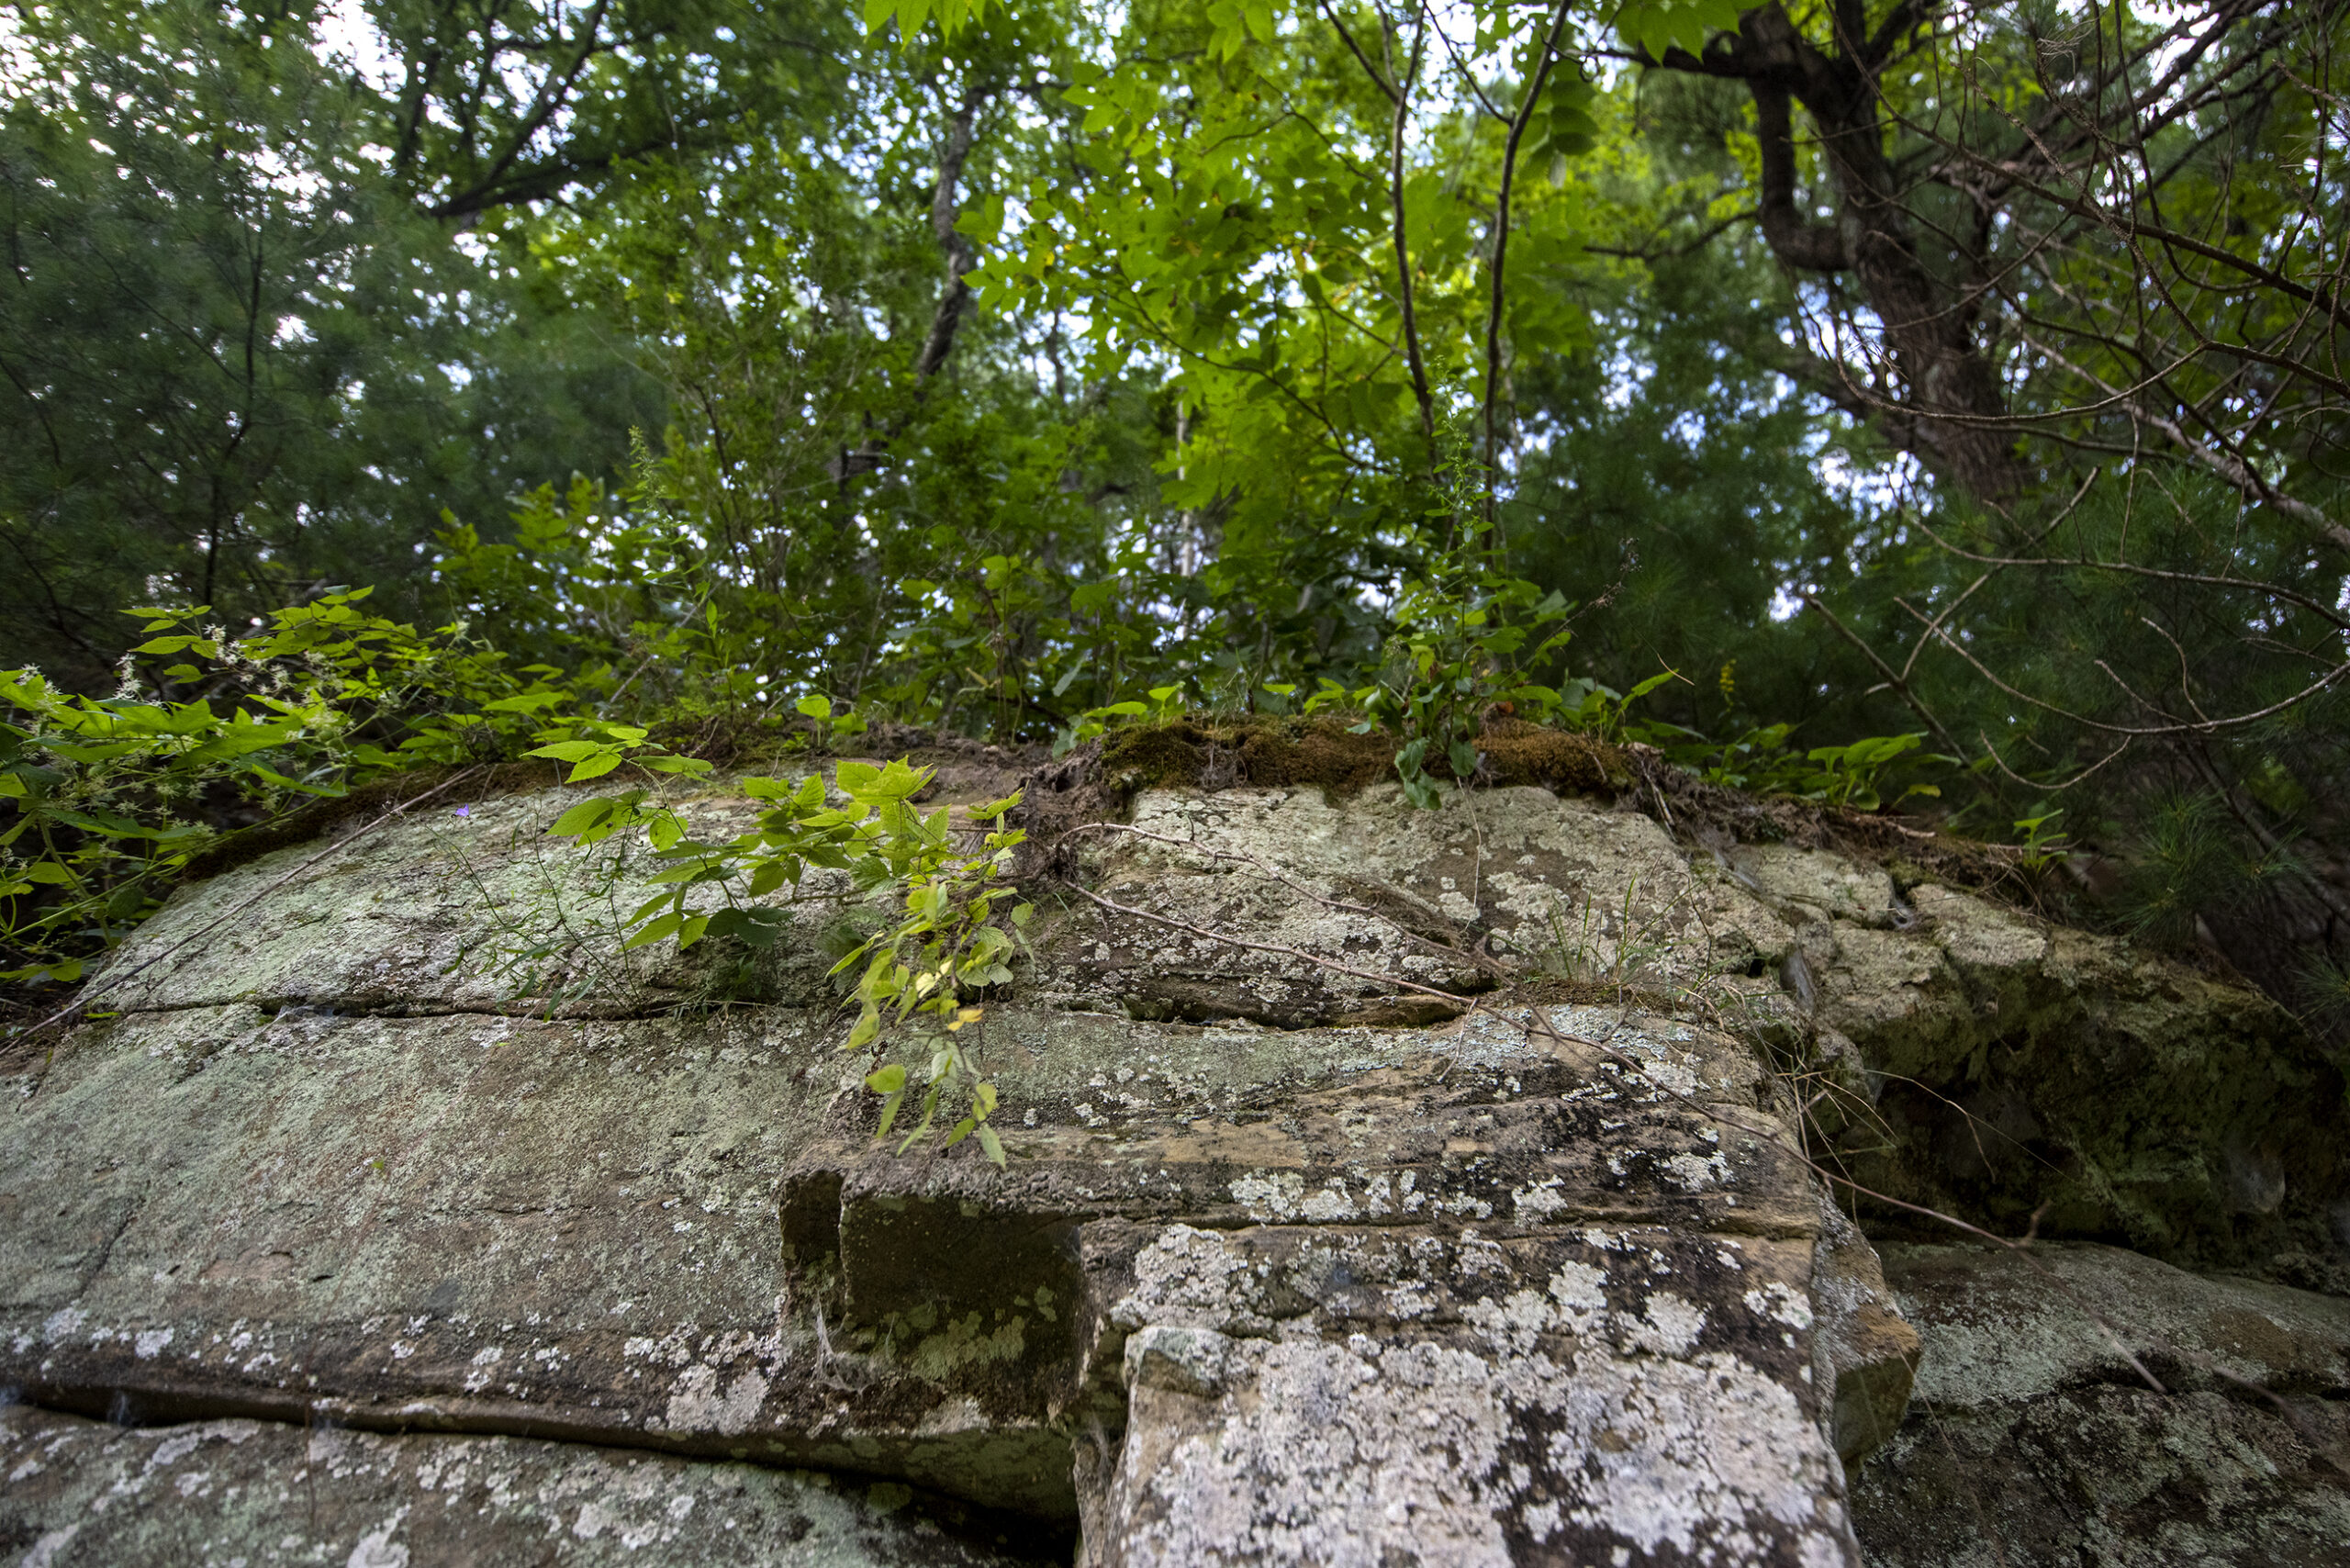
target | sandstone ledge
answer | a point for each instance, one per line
(1289, 1266)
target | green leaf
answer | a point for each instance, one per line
(818, 707)
(994, 809)
(672, 763)
(654, 931)
(526, 702)
(993, 1144)
(594, 767)
(984, 222)
(583, 818)
(929, 1112)
(887, 1079)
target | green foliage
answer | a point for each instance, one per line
(110, 793)
(1026, 370)
(2043, 845)
(237, 368)
(1655, 25)
(1604, 712)
(2188, 866)
(1454, 660)
(1855, 777)
(1847, 777)
(948, 944)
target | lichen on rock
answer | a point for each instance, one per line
(1384, 1186)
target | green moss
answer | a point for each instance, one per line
(967, 1342)
(1216, 751)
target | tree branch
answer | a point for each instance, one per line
(1501, 245)
(945, 208)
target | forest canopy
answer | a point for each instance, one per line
(1893, 404)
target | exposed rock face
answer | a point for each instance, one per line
(2030, 1441)
(81, 1491)
(1294, 1261)
(1867, 1352)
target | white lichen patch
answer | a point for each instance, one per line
(1830, 884)
(698, 1404)
(1667, 1325)
(1370, 1452)
(1196, 1279)
(1697, 1173)
(1284, 1195)
(1183, 1360)
(1583, 1409)
(1707, 1456)
(1782, 1304)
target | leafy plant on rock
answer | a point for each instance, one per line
(959, 917)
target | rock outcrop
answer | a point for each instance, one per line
(2031, 1439)
(1385, 1186)
(84, 1491)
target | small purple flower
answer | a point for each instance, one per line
(463, 812)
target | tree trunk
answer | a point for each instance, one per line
(1937, 394)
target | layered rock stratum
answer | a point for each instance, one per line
(1385, 1186)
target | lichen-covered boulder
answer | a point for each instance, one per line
(2032, 1442)
(1385, 1186)
(74, 1490)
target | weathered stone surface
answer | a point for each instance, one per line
(1868, 1353)
(1984, 1062)
(2030, 1076)
(2030, 1441)
(1292, 1262)
(79, 1492)
(450, 908)
(1641, 1394)
(1389, 1315)
(1437, 898)
(467, 1223)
